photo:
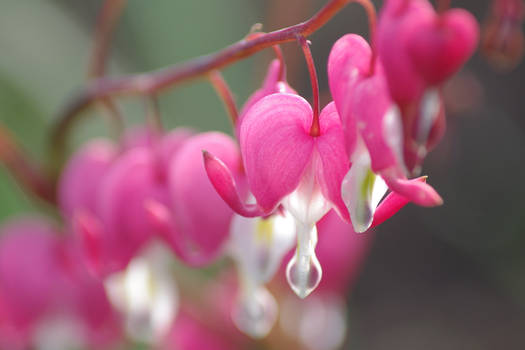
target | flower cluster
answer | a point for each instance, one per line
(293, 173)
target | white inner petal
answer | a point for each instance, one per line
(362, 190)
(307, 203)
(146, 294)
(259, 245)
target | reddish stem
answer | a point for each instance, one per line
(305, 45)
(157, 81)
(105, 26)
(23, 168)
(104, 29)
(372, 20)
(278, 54)
(226, 95)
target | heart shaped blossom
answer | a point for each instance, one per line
(420, 50)
(371, 117)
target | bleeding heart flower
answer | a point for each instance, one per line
(419, 50)
(363, 100)
(120, 226)
(110, 216)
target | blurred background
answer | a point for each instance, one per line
(451, 277)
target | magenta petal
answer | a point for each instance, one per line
(379, 123)
(392, 204)
(334, 162)
(440, 47)
(91, 237)
(270, 86)
(199, 212)
(133, 179)
(224, 183)
(276, 146)
(418, 192)
(398, 21)
(79, 182)
(348, 62)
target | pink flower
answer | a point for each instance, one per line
(373, 131)
(420, 50)
(104, 195)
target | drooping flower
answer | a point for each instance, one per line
(419, 50)
(104, 192)
(373, 131)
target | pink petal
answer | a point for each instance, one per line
(31, 276)
(132, 180)
(399, 19)
(276, 146)
(334, 162)
(392, 203)
(271, 85)
(198, 211)
(225, 185)
(348, 63)
(418, 192)
(89, 232)
(379, 123)
(440, 47)
(79, 182)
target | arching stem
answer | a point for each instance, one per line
(224, 92)
(305, 45)
(157, 81)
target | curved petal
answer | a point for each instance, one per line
(276, 146)
(349, 60)
(418, 192)
(392, 203)
(224, 183)
(334, 162)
